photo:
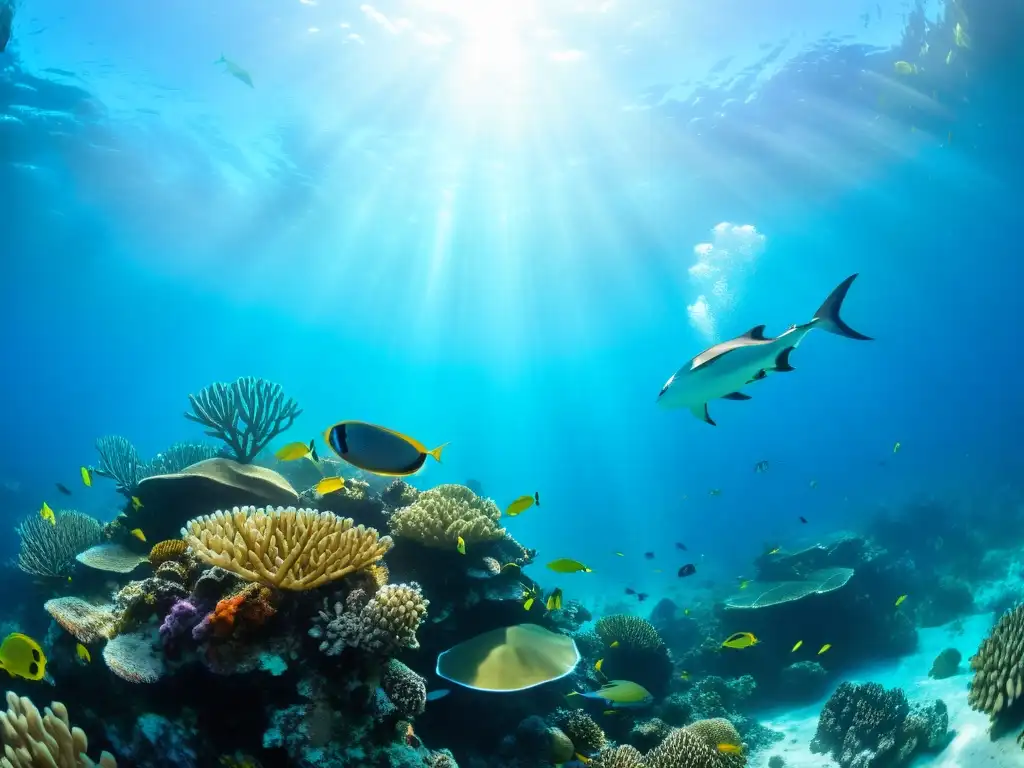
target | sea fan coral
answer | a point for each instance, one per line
(289, 548)
(629, 631)
(49, 550)
(999, 666)
(440, 516)
(120, 462)
(32, 739)
(381, 624)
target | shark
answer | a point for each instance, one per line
(721, 371)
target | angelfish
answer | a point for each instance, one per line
(723, 370)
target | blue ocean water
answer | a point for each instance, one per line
(503, 226)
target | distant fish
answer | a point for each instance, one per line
(899, 600)
(554, 601)
(687, 570)
(235, 71)
(813, 484)
(379, 450)
(567, 565)
(599, 664)
(138, 534)
(438, 693)
(136, 503)
(905, 68)
(684, 675)
(519, 505)
(296, 451)
(47, 514)
(460, 545)
(329, 485)
(797, 646)
(648, 555)
(744, 583)
(680, 546)
(761, 466)
(530, 595)
(83, 653)
(536, 498)
(774, 551)
(640, 596)
(740, 640)
(960, 36)
(896, 447)
(949, 58)
(803, 519)
(63, 489)
(723, 370)
(715, 492)
(824, 648)
(619, 554)
(86, 476)
(615, 644)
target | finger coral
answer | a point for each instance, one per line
(381, 624)
(49, 550)
(999, 666)
(629, 631)
(438, 517)
(32, 739)
(295, 549)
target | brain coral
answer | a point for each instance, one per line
(438, 517)
(998, 675)
(629, 631)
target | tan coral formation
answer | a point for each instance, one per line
(86, 622)
(287, 548)
(47, 740)
(438, 517)
(999, 666)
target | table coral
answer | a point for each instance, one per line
(440, 516)
(296, 549)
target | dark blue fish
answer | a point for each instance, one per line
(687, 570)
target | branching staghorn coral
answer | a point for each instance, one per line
(382, 624)
(120, 462)
(34, 740)
(286, 548)
(49, 550)
(631, 632)
(246, 414)
(438, 517)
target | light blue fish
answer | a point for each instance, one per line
(440, 693)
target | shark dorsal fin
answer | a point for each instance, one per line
(756, 333)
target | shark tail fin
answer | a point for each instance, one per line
(827, 317)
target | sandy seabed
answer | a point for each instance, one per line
(971, 748)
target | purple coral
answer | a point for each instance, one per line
(183, 617)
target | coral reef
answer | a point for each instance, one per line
(629, 631)
(696, 746)
(866, 726)
(120, 462)
(381, 624)
(181, 455)
(946, 664)
(246, 414)
(999, 666)
(86, 622)
(640, 655)
(289, 548)
(49, 550)
(169, 549)
(585, 734)
(803, 681)
(440, 516)
(404, 688)
(32, 739)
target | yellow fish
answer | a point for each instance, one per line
(686, 611)
(329, 485)
(554, 602)
(296, 451)
(21, 656)
(684, 675)
(519, 506)
(566, 565)
(136, 503)
(528, 603)
(896, 448)
(615, 644)
(460, 545)
(83, 653)
(583, 759)
(775, 551)
(611, 712)
(47, 514)
(138, 534)
(740, 640)
(824, 648)
(905, 68)
(509, 565)
(619, 554)
(86, 477)
(730, 749)
(597, 666)
(797, 646)
(960, 37)
(949, 58)
(900, 599)
(745, 583)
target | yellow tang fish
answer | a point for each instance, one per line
(379, 450)
(797, 646)
(730, 749)
(619, 554)
(583, 759)
(905, 68)
(136, 503)
(567, 565)
(460, 545)
(900, 599)
(554, 602)
(896, 448)
(296, 451)
(21, 656)
(824, 648)
(329, 485)
(519, 506)
(86, 477)
(47, 514)
(138, 534)
(615, 644)
(235, 71)
(597, 666)
(83, 653)
(740, 640)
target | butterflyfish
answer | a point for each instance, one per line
(620, 694)
(379, 450)
(21, 656)
(138, 534)
(329, 485)
(568, 565)
(824, 648)
(63, 489)
(797, 646)
(519, 505)
(86, 477)
(47, 514)
(83, 653)
(554, 602)
(740, 640)
(900, 599)
(136, 503)
(530, 594)
(460, 545)
(296, 451)
(235, 71)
